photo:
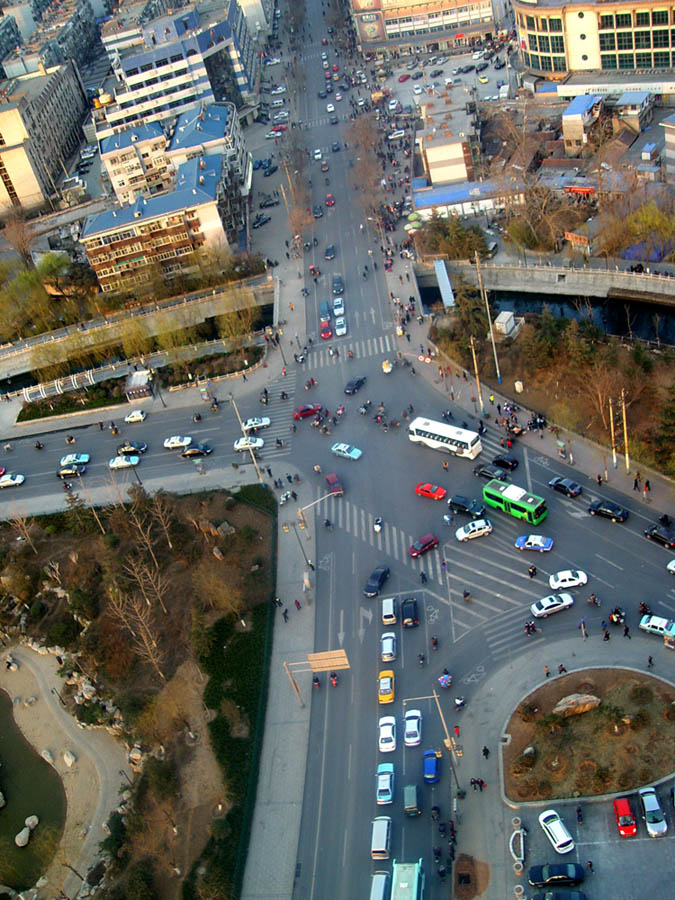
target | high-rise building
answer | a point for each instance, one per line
(10, 38)
(40, 128)
(556, 38)
(135, 161)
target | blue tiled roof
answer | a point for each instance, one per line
(459, 192)
(196, 127)
(582, 104)
(632, 98)
(195, 185)
(131, 136)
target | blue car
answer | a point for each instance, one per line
(385, 784)
(534, 542)
(346, 451)
(431, 767)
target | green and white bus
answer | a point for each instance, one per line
(407, 881)
(515, 501)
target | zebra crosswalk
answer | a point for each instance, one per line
(366, 348)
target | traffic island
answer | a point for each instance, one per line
(588, 733)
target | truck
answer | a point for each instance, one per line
(504, 92)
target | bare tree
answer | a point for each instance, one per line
(22, 526)
(163, 512)
(143, 530)
(213, 589)
(20, 235)
(136, 616)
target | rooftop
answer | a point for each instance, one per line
(446, 120)
(582, 104)
(457, 192)
(127, 15)
(197, 127)
(24, 87)
(196, 184)
(116, 142)
(633, 98)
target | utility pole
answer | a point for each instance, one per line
(625, 430)
(483, 294)
(245, 434)
(611, 431)
(475, 369)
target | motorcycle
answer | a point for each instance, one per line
(617, 616)
(285, 497)
(39, 445)
(645, 610)
(377, 525)
(363, 409)
(315, 682)
(197, 417)
(580, 816)
(334, 679)
(460, 702)
(434, 642)
(340, 410)
(593, 600)
(421, 660)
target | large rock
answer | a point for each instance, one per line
(47, 756)
(32, 822)
(69, 758)
(22, 838)
(576, 704)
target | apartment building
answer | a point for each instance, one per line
(10, 37)
(135, 161)
(68, 31)
(186, 59)
(125, 28)
(392, 27)
(40, 128)
(129, 246)
(209, 129)
(579, 121)
(558, 38)
(259, 16)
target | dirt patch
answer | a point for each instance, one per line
(472, 877)
(624, 743)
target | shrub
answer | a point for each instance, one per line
(162, 778)
(37, 610)
(63, 631)
(140, 884)
(90, 713)
(115, 841)
(84, 603)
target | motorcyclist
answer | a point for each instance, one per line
(316, 682)
(39, 445)
(333, 679)
(327, 523)
(434, 642)
(197, 417)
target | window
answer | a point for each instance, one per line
(624, 41)
(672, 37)
(526, 59)
(557, 43)
(607, 41)
(555, 24)
(543, 24)
(660, 17)
(131, 72)
(544, 45)
(532, 38)
(179, 57)
(606, 21)
(641, 18)
(626, 61)
(643, 39)
(661, 60)
(608, 60)
(624, 20)
(534, 60)
(530, 23)
(161, 62)
(546, 64)
(559, 64)
(521, 20)
(660, 38)
(146, 67)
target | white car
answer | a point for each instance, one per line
(455, 71)
(317, 153)
(11, 480)
(330, 107)
(324, 55)
(273, 61)
(412, 729)
(393, 105)
(387, 734)
(280, 116)
(551, 604)
(396, 135)
(346, 451)
(418, 89)
(388, 646)
(570, 578)
(279, 89)
(78, 459)
(338, 96)
(671, 567)
(249, 443)
(340, 327)
(339, 306)
(272, 135)
(658, 625)
(474, 529)
(138, 415)
(555, 830)
(123, 462)
(176, 442)
(256, 422)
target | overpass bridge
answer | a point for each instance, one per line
(569, 280)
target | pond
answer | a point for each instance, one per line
(31, 787)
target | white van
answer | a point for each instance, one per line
(379, 888)
(380, 840)
(277, 103)
(389, 616)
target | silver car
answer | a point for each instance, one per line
(388, 646)
(655, 820)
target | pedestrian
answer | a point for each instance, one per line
(499, 409)
(291, 307)
(456, 730)
(297, 604)
(638, 477)
(492, 400)
(589, 866)
(636, 485)
(269, 472)
(486, 753)
(444, 565)
(289, 478)
(603, 625)
(285, 614)
(283, 371)
(547, 671)
(647, 488)
(294, 495)
(310, 564)
(532, 571)
(626, 632)
(423, 578)
(650, 662)
(561, 669)
(605, 636)
(474, 783)
(243, 375)
(481, 784)
(598, 478)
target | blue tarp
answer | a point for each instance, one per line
(639, 252)
(444, 283)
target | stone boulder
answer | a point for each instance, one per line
(225, 529)
(22, 838)
(3, 802)
(218, 553)
(69, 758)
(576, 704)
(32, 822)
(47, 756)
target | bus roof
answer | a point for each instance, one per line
(439, 427)
(513, 492)
(404, 880)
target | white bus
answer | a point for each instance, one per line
(440, 436)
(407, 881)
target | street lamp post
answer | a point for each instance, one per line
(55, 691)
(483, 294)
(245, 434)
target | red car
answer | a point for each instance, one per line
(423, 545)
(334, 485)
(625, 820)
(324, 41)
(336, 68)
(279, 128)
(330, 200)
(326, 75)
(403, 77)
(432, 491)
(2, 471)
(326, 332)
(304, 412)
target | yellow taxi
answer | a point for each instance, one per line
(385, 686)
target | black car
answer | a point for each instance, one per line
(338, 285)
(269, 202)
(481, 67)
(330, 252)
(417, 75)
(499, 64)
(74, 470)
(131, 448)
(354, 384)
(467, 506)
(482, 470)
(662, 535)
(505, 462)
(436, 72)
(322, 95)
(466, 69)
(565, 486)
(344, 86)
(270, 170)
(335, 146)
(376, 581)
(609, 510)
(261, 220)
(329, 88)
(196, 450)
(555, 874)
(409, 617)
(334, 120)
(318, 212)
(560, 895)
